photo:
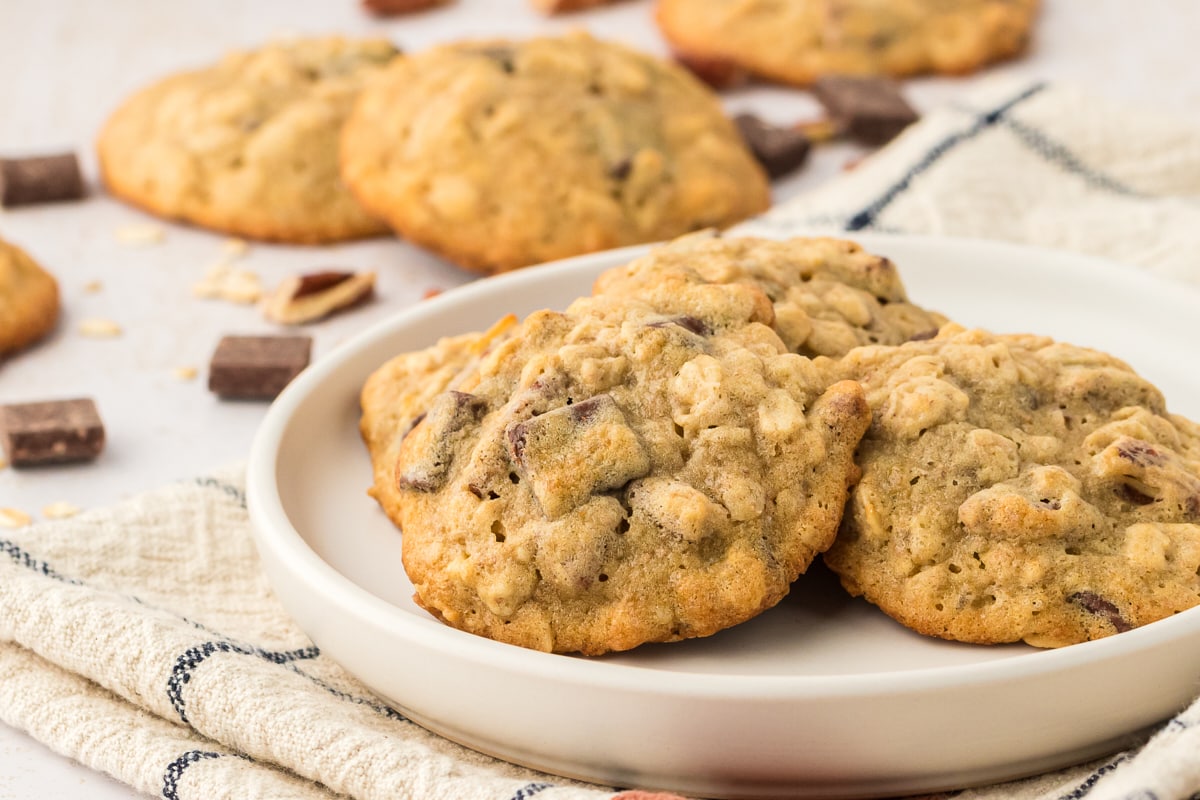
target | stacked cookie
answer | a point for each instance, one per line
(613, 474)
(494, 154)
(662, 459)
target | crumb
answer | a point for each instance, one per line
(93, 287)
(185, 373)
(140, 234)
(97, 328)
(14, 518)
(60, 510)
(234, 248)
(431, 293)
(222, 282)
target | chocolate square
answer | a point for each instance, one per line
(51, 432)
(257, 367)
(870, 109)
(779, 149)
(40, 179)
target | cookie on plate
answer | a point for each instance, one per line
(830, 295)
(798, 41)
(501, 154)
(248, 146)
(611, 475)
(28, 299)
(1016, 488)
(397, 393)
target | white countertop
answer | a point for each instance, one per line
(68, 63)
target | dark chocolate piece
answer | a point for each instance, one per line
(51, 432)
(870, 109)
(40, 179)
(779, 149)
(257, 367)
(1095, 604)
(425, 460)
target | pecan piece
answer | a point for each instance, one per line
(307, 298)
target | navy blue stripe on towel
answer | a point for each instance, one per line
(867, 217)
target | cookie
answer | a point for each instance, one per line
(829, 295)
(1019, 489)
(248, 146)
(611, 475)
(798, 41)
(28, 299)
(398, 392)
(502, 154)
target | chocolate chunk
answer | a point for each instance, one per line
(871, 109)
(576, 451)
(719, 73)
(257, 367)
(779, 149)
(51, 432)
(1095, 604)
(40, 179)
(428, 448)
(621, 170)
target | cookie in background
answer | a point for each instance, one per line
(501, 154)
(799, 41)
(248, 146)
(29, 300)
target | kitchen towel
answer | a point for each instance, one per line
(144, 640)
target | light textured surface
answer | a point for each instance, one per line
(71, 62)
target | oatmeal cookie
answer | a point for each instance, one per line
(28, 299)
(248, 146)
(798, 41)
(1016, 488)
(830, 295)
(611, 475)
(501, 154)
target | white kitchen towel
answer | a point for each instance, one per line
(144, 640)
(1040, 164)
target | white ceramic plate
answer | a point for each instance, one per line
(821, 696)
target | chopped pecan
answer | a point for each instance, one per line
(307, 298)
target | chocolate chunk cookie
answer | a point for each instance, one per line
(829, 295)
(612, 475)
(248, 146)
(1016, 488)
(28, 299)
(501, 154)
(399, 392)
(798, 41)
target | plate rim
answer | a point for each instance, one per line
(272, 528)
